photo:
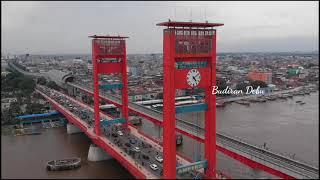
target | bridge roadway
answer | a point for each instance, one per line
(115, 146)
(248, 154)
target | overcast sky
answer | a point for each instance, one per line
(64, 27)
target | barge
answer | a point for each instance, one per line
(63, 164)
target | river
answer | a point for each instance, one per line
(283, 125)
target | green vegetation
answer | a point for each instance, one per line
(243, 86)
(255, 84)
(16, 81)
(42, 81)
(221, 84)
(53, 85)
(17, 85)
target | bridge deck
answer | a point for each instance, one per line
(103, 141)
(250, 155)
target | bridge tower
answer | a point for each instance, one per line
(109, 57)
(189, 54)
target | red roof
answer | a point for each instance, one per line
(189, 24)
(120, 37)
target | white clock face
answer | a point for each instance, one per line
(193, 77)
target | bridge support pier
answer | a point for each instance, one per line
(157, 130)
(97, 154)
(72, 129)
(70, 90)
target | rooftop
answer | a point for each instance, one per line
(109, 37)
(189, 24)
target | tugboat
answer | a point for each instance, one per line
(63, 164)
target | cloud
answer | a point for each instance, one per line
(64, 27)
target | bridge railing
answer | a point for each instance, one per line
(268, 150)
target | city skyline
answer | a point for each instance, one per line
(249, 27)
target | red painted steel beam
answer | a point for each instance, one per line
(235, 156)
(124, 91)
(169, 119)
(96, 97)
(210, 118)
(253, 164)
(131, 168)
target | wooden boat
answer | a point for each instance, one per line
(220, 104)
(272, 98)
(243, 102)
(63, 164)
(313, 90)
(261, 99)
(298, 101)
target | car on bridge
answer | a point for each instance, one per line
(120, 133)
(154, 167)
(136, 149)
(159, 158)
(128, 144)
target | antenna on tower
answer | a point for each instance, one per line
(191, 14)
(205, 14)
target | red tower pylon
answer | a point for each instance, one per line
(189, 54)
(109, 57)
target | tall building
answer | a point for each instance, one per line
(265, 76)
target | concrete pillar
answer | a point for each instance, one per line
(157, 130)
(70, 90)
(97, 154)
(72, 129)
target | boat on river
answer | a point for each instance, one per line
(242, 102)
(220, 104)
(63, 164)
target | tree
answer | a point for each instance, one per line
(255, 84)
(221, 83)
(42, 81)
(53, 85)
(27, 84)
(242, 86)
(34, 108)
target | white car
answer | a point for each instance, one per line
(136, 149)
(154, 167)
(120, 133)
(159, 158)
